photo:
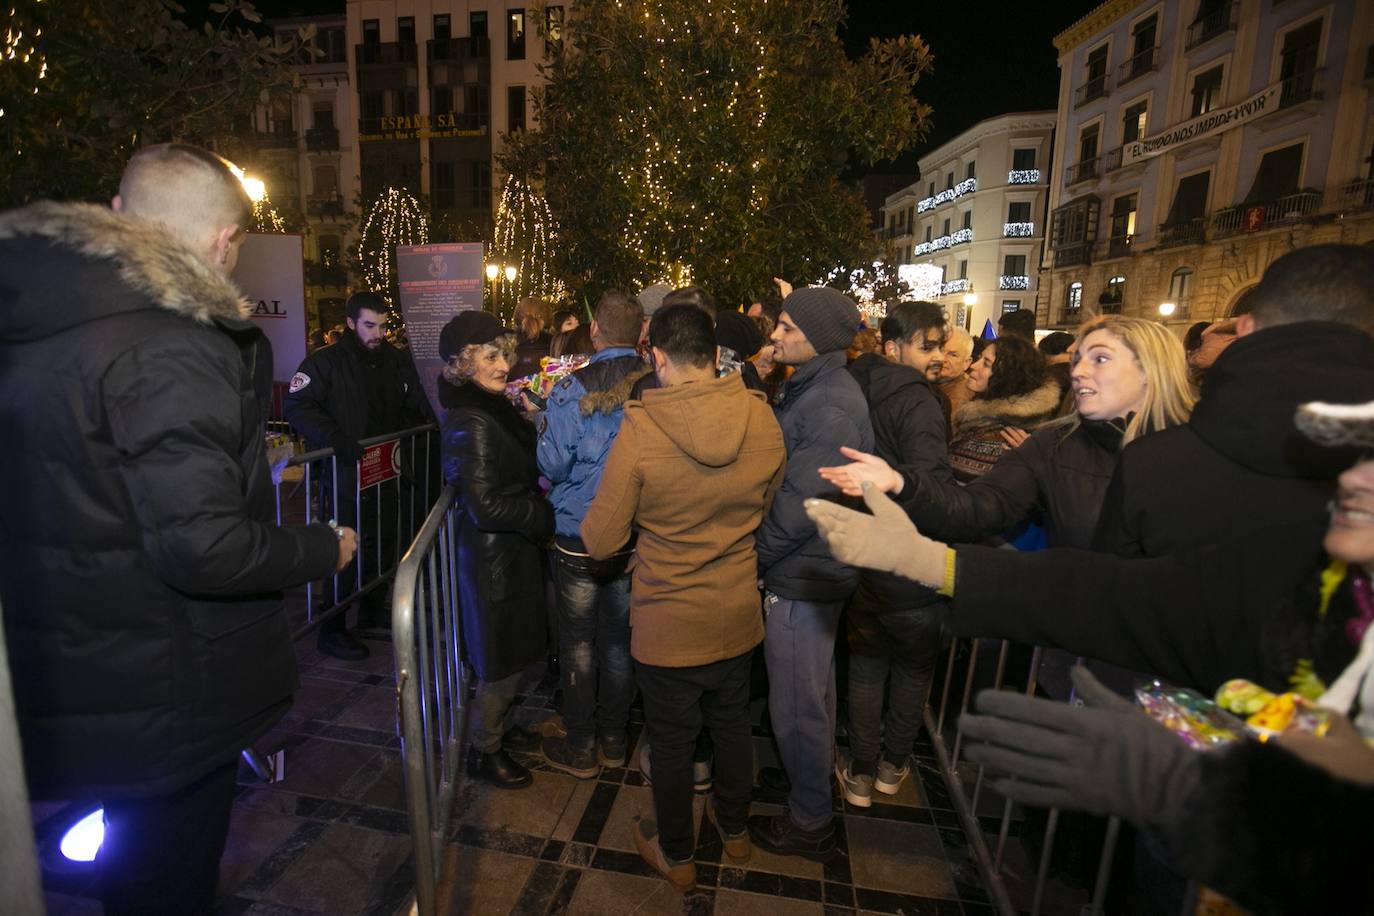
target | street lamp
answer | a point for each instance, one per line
(492, 271)
(510, 273)
(1166, 309)
(970, 299)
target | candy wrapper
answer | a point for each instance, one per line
(1198, 721)
(551, 371)
(1268, 714)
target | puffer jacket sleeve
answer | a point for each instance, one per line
(988, 506)
(609, 520)
(913, 429)
(472, 461)
(176, 417)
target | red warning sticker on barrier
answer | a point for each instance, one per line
(380, 463)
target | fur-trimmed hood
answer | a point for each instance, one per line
(610, 399)
(1026, 410)
(45, 290)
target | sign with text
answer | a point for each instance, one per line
(271, 274)
(419, 127)
(380, 463)
(436, 283)
(1205, 125)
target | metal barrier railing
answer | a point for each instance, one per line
(957, 690)
(431, 688)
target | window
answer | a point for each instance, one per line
(970, 172)
(949, 182)
(1206, 91)
(444, 189)
(477, 24)
(515, 35)
(1190, 200)
(371, 104)
(1181, 288)
(1087, 143)
(1298, 63)
(963, 270)
(332, 42)
(441, 100)
(326, 181)
(553, 29)
(1073, 297)
(1213, 18)
(405, 30)
(443, 27)
(515, 108)
(372, 32)
(1014, 265)
(968, 219)
(946, 229)
(1011, 305)
(1074, 223)
(927, 234)
(1019, 212)
(1123, 217)
(1278, 175)
(1095, 79)
(1143, 44)
(329, 250)
(323, 116)
(1115, 292)
(481, 185)
(407, 102)
(931, 192)
(1023, 160)
(475, 106)
(1133, 122)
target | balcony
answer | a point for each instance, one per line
(1290, 209)
(1188, 232)
(1023, 176)
(1119, 246)
(1073, 255)
(961, 285)
(1018, 230)
(1070, 314)
(457, 50)
(279, 137)
(1013, 281)
(1096, 87)
(943, 242)
(1300, 88)
(967, 186)
(1354, 195)
(325, 207)
(325, 274)
(322, 140)
(386, 54)
(1218, 22)
(1084, 170)
(1146, 61)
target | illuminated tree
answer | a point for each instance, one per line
(679, 138)
(394, 217)
(90, 81)
(527, 239)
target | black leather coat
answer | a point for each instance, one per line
(503, 525)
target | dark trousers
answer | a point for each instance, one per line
(594, 645)
(161, 854)
(677, 702)
(896, 646)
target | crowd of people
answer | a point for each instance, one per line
(713, 491)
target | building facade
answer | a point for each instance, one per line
(1198, 141)
(974, 224)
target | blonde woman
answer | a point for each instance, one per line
(488, 453)
(1129, 378)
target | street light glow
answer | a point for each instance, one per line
(510, 273)
(1166, 309)
(492, 271)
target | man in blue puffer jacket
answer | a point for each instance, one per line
(576, 431)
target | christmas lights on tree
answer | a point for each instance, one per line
(393, 218)
(526, 238)
(265, 216)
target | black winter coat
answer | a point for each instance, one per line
(1239, 462)
(909, 433)
(142, 571)
(1058, 475)
(503, 525)
(821, 409)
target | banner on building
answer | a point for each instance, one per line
(271, 275)
(420, 127)
(436, 283)
(1210, 124)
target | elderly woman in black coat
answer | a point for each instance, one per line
(489, 455)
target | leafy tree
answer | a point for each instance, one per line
(93, 80)
(707, 139)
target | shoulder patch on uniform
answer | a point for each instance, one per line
(298, 381)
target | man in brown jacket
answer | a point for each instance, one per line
(694, 469)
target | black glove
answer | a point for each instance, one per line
(345, 447)
(1108, 757)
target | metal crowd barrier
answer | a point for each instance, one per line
(942, 724)
(431, 688)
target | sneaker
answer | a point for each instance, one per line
(681, 875)
(857, 788)
(738, 846)
(777, 834)
(610, 750)
(701, 776)
(890, 776)
(580, 762)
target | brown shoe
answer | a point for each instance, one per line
(738, 847)
(682, 876)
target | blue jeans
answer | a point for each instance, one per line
(799, 644)
(594, 645)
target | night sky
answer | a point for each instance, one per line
(991, 56)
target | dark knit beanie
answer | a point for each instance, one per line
(738, 332)
(469, 327)
(827, 317)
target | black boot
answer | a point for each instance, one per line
(501, 770)
(337, 642)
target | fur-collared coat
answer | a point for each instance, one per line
(976, 442)
(142, 573)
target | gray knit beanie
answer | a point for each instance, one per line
(827, 317)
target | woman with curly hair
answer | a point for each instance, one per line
(503, 523)
(1011, 387)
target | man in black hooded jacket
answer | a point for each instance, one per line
(1239, 463)
(143, 572)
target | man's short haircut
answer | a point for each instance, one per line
(1056, 343)
(620, 318)
(685, 333)
(364, 300)
(1318, 283)
(1020, 323)
(692, 295)
(905, 320)
(189, 190)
